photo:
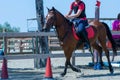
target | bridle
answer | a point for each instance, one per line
(61, 38)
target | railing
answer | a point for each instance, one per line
(22, 38)
(7, 36)
(21, 43)
(25, 42)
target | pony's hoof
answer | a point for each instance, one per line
(78, 70)
(111, 72)
(97, 66)
(62, 74)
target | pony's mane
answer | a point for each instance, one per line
(53, 9)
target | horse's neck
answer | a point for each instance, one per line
(62, 28)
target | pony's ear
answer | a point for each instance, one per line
(48, 9)
(53, 8)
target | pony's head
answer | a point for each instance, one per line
(50, 19)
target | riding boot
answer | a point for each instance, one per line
(80, 41)
(86, 41)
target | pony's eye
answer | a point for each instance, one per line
(52, 17)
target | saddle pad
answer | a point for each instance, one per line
(89, 30)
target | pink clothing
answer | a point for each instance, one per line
(116, 27)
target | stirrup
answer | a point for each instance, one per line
(86, 46)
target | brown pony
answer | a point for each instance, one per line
(68, 42)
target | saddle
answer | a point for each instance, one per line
(89, 30)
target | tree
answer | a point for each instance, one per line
(8, 28)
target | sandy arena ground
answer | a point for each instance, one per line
(24, 70)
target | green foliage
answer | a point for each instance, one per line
(8, 28)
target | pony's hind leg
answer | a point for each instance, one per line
(102, 41)
(108, 58)
(109, 63)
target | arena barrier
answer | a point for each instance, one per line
(42, 56)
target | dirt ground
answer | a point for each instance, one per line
(24, 70)
(87, 74)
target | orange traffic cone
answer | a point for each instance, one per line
(4, 73)
(48, 73)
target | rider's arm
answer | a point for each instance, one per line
(69, 13)
(75, 15)
(80, 9)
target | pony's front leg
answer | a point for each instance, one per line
(65, 69)
(72, 67)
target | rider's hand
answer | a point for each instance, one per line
(67, 16)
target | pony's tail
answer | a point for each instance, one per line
(109, 35)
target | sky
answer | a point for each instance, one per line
(16, 12)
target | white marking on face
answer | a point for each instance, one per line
(49, 16)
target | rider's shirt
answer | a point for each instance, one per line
(79, 6)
